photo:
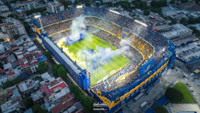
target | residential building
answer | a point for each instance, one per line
(11, 100)
(179, 30)
(54, 7)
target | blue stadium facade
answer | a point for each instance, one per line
(151, 68)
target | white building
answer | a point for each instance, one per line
(4, 10)
(27, 5)
(14, 27)
(12, 101)
(178, 30)
(54, 7)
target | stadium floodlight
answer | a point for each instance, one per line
(141, 23)
(114, 11)
(79, 6)
(39, 16)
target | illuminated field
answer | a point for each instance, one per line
(87, 61)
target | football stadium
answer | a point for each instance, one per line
(110, 56)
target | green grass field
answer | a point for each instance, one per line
(183, 89)
(75, 50)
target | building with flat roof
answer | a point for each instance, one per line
(179, 30)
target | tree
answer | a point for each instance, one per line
(172, 2)
(160, 109)
(87, 4)
(174, 95)
(41, 10)
(1, 17)
(197, 2)
(184, 1)
(28, 102)
(146, 12)
(1, 65)
(67, 3)
(124, 4)
(48, 54)
(76, 2)
(76, 91)
(195, 31)
(87, 103)
(14, 16)
(156, 10)
(37, 109)
(61, 72)
(140, 4)
(27, 27)
(43, 66)
(1, 40)
(16, 37)
(183, 21)
(193, 20)
(158, 3)
(11, 83)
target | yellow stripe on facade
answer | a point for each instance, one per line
(131, 91)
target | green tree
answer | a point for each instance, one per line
(174, 95)
(195, 31)
(184, 1)
(160, 109)
(140, 4)
(76, 91)
(1, 65)
(193, 20)
(48, 54)
(16, 37)
(76, 2)
(14, 16)
(43, 66)
(172, 2)
(1, 17)
(11, 83)
(1, 40)
(146, 12)
(87, 103)
(124, 4)
(197, 2)
(183, 21)
(61, 72)
(87, 4)
(28, 103)
(158, 3)
(37, 109)
(156, 10)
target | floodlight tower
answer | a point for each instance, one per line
(39, 17)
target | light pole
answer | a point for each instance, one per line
(38, 16)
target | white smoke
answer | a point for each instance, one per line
(77, 27)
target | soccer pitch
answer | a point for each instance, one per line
(91, 42)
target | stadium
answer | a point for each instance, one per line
(110, 56)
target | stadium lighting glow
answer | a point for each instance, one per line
(79, 6)
(114, 11)
(37, 16)
(141, 23)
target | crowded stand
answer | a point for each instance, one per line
(111, 27)
(50, 30)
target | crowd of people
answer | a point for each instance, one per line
(142, 46)
(109, 26)
(50, 30)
